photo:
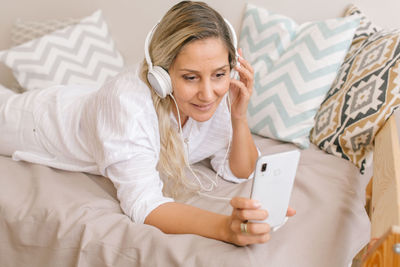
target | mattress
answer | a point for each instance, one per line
(50, 217)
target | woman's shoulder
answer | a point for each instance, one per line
(128, 82)
(122, 104)
(128, 89)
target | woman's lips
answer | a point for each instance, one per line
(203, 107)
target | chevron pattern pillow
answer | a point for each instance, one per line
(294, 67)
(363, 96)
(78, 54)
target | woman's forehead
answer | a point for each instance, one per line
(209, 51)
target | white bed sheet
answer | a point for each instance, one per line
(50, 217)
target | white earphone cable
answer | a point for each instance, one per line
(187, 148)
(226, 155)
(214, 182)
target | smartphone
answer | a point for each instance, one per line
(272, 184)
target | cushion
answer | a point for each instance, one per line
(294, 66)
(23, 31)
(78, 54)
(363, 96)
(366, 27)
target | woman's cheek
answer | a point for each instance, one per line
(223, 87)
(185, 91)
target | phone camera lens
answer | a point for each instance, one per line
(263, 167)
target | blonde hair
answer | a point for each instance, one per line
(185, 22)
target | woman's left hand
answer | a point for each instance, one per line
(241, 90)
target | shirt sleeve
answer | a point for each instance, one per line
(139, 187)
(126, 145)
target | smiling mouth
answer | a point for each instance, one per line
(203, 107)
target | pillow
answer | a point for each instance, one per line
(363, 96)
(365, 29)
(78, 54)
(294, 66)
(23, 31)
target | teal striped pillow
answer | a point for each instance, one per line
(294, 67)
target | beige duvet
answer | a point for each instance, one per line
(55, 218)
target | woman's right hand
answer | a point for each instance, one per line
(247, 209)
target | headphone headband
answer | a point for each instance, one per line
(146, 45)
(233, 35)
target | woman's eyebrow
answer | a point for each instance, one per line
(196, 71)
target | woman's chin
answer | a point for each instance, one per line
(202, 116)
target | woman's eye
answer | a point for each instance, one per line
(220, 75)
(189, 77)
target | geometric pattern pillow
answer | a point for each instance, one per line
(363, 96)
(365, 29)
(78, 54)
(23, 31)
(294, 66)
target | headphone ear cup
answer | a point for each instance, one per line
(160, 80)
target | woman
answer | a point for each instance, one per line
(126, 132)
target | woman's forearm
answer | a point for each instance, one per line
(178, 218)
(244, 153)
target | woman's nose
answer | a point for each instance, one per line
(206, 92)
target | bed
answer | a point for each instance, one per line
(51, 217)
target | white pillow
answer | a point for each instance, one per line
(294, 67)
(23, 31)
(78, 54)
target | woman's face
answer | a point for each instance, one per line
(200, 77)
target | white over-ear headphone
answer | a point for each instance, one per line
(159, 78)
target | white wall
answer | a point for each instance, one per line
(130, 20)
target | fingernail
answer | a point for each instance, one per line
(257, 204)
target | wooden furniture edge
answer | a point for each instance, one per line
(384, 206)
(385, 252)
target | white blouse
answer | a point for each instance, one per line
(113, 131)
